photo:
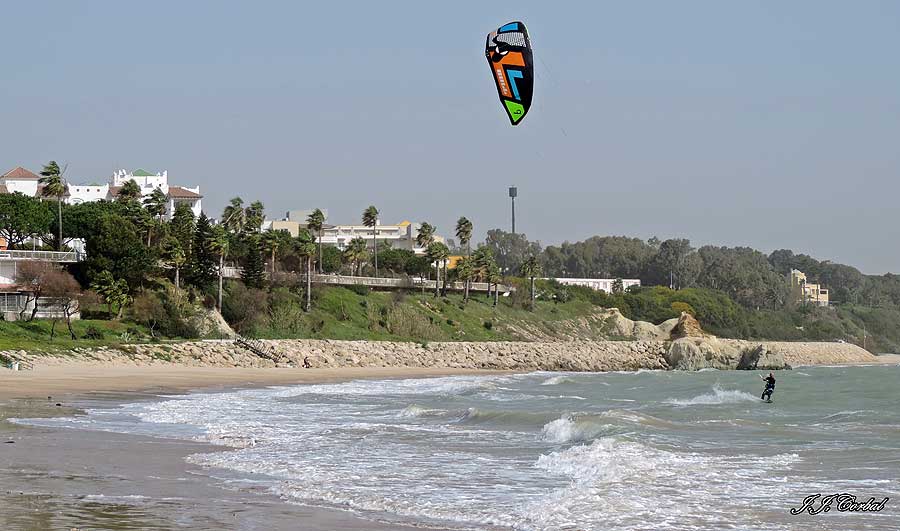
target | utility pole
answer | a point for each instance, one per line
(513, 192)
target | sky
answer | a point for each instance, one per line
(764, 124)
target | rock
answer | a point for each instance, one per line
(761, 358)
(686, 326)
(693, 354)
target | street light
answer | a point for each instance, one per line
(513, 192)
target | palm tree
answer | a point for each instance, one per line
(306, 247)
(155, 204)
(234, 217)
(425, 236)
(370, 219)
(356, 253)
(175, 255)
(255, 215)
(129, 192)
(219, 244)
(271, 241)
(316, 222)
(493, 276)
(531, 268)
(437, 252)
(54, 186)
(465, 269)
(464, 233)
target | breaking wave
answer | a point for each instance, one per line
(718, 396)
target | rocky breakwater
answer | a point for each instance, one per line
(677, 344)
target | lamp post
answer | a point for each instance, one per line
(513, 192)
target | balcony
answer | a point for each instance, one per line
(42, 256)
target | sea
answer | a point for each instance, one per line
(661, 450)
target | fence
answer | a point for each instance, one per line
(43, 256)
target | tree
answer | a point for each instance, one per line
(54, 186)
(219, 243)
(465, 270)
(202, 260)
(129, 193)
(23, 217)
(182, 227)
(464, 233)
(272, 241)
(234, 217)
(425, 235)
(618, 287)
(255, 216)
(316, 222)
(114, 292)
(484, 263)
(64, 289)
(155, 205)
(494, 277)
(174, 255)
(531, 268)
(115, 245)
(437, 253)
(370, 219)
(676, 264)
(306, 247)
(509, 249)
(356, 253)
(31, 279)
(331, 259)
(253, 271)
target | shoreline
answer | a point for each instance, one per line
(82, 479)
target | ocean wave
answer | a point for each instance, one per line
(571, 428)
(718, 396)
(558, 380)
(418, 411)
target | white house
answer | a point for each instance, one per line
(19, 180)
(14, 298)
(599, 284)
(399, 236)
(24, 181)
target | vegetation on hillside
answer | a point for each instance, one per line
(154, 275)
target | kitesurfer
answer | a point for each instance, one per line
(770, 387)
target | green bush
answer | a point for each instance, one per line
(359, 289)
(92, 332)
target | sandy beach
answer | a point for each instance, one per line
(57, 478)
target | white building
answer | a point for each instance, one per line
(15, 299)
(599, 284)
(399, 236)
(19, 180)
(26, 182)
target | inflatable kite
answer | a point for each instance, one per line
(508, 51)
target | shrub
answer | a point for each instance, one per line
(488, 325)
(92, 332)
(359, 289)
(683, 307)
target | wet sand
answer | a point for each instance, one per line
(57, 478)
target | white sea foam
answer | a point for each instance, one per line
(718, 396)
(571, 428)
(557, 380)
(489, 452)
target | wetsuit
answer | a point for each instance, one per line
(770, 388)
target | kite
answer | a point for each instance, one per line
(508, 51)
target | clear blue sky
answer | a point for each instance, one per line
(768, 124)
